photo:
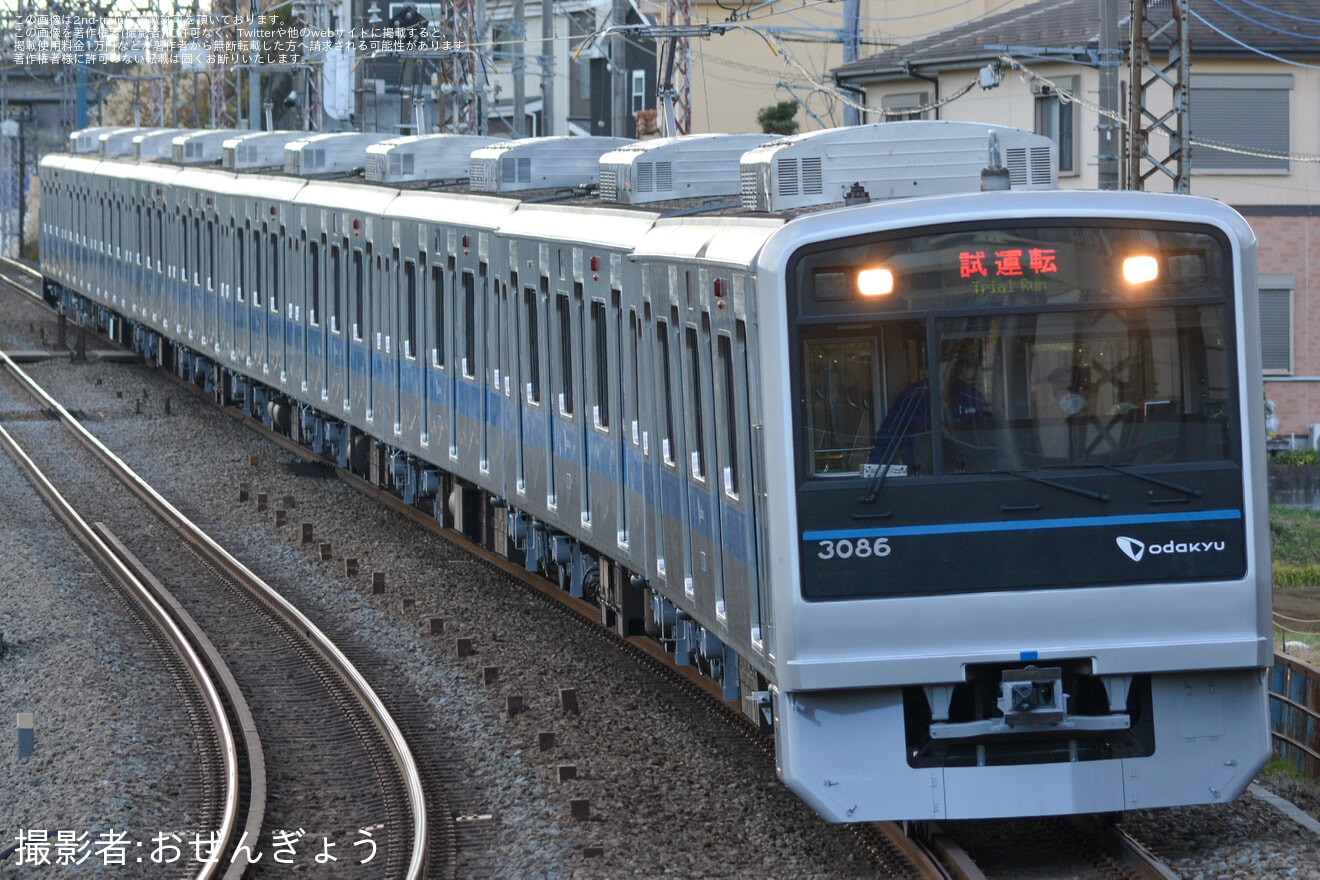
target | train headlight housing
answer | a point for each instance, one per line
(875, 282)
(1140, 269)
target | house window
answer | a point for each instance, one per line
(1054, 120)
(1276, 297)
(638, 91)
(1248, 112)
(904, 106)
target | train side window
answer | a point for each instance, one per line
(184, 250)
(725, 355)
(242, 266)
(533, 346)
(666, 370)
(438, 295)
(314, 264)
(599, 332)
(410, 320)
(563, 313)
(698, 422)
(209, 268)
(359, 282)
(634, 402)
(336, 287)
(469, 324)
(197, 252)
(272, 295)
(258, 280)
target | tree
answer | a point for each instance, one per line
(778, 119)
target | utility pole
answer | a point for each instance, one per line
(518, 33)
(254, 76)
(852, 43)
(1144, 75)
(678, 76)
(547, 68)
(1110, 133)
(617, 74)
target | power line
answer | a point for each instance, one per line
(1262, 24)
(1282, 14)
(1250, 47)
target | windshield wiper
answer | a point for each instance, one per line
(1164, 484)
(897, 436)
(1076, 490)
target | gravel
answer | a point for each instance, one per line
(112, 747)
(671, 790)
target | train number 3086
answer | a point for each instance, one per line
(861, 548)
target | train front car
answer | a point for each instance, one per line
(1024, 566)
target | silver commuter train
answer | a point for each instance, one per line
(962, 495)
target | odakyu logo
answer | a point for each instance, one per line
(1136, 550)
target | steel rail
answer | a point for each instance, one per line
(1145, 862)
(167, 624)
(256, 808)
(22, 267)
(361, 689)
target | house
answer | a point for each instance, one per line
(1255, 75)
(735, 74)
(585, 69)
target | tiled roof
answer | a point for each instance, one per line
(1290, 28)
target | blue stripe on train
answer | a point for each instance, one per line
(1023, 525)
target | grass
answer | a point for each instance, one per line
(1295, 547)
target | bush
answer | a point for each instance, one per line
(1296, 575)
(1295, 456)
(778, 119)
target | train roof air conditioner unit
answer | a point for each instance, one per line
(201, 147)
(890, 160)
(88, 140)
(539, 163)
(425, 157)
(257, 149)
(154, 146)
(331, 153)
(118, 142)
(693, 166)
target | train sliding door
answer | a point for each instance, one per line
(336, 363)
(356, 376)
(317, 330)
(704, 559)
(674, 548)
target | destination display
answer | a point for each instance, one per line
(1044, 265)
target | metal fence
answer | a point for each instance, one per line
(1295, 713)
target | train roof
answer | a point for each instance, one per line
(604, 226)
(259, 186)
(478, 211)
(718, 240)
(343, 196)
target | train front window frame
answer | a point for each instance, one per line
(1129, 362)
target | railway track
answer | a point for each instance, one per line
(320, 753)
(1079, 848)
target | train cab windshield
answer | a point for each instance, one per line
(1014, 391)
(1082, 357)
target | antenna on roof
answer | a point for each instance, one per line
(994, 176)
